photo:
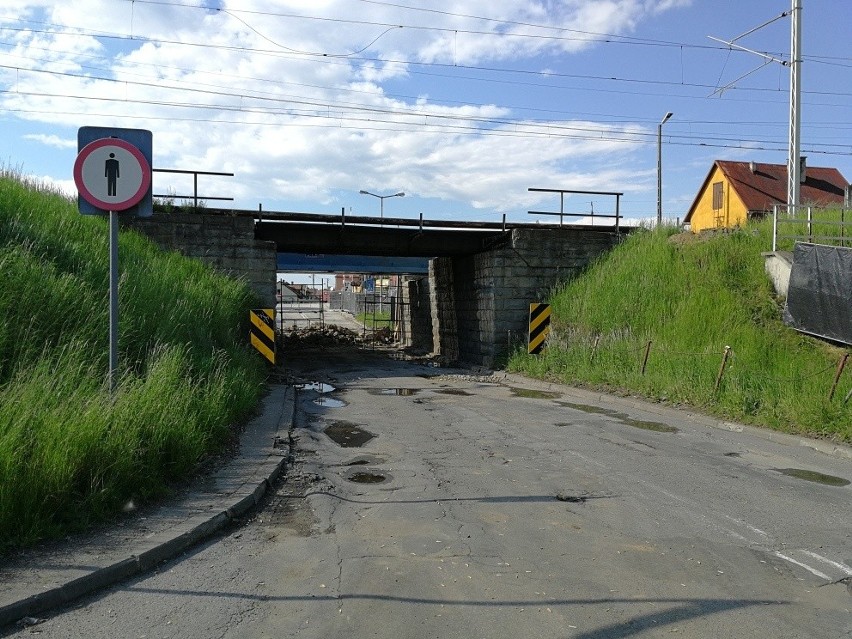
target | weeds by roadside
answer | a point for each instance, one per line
(69, 454)
(690, 300)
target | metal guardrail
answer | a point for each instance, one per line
(814, 221)
(591, 214)
(194, 197)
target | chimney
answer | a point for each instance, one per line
(803, 166)
(752, 166)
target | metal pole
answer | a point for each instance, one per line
(794, 169)
(617, 212)
(660, 168)
(195, 189)
(113, 301)
(659, 173)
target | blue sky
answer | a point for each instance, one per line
(461, 104)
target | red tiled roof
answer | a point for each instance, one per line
(767, 185)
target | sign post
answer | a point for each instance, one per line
(112, 175)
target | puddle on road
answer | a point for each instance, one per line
(624, 418)
(402, 392)
(814, 476)
(329, 402)
(533, 394)
(657, 427)
(367, 478)
(318, 387)
(348, 435)
(460, 392)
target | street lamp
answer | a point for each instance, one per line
(382, 199)
(660, 168)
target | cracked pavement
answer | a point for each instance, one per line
(502, 515)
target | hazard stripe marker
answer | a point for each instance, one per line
(539, 327)
(262, 332)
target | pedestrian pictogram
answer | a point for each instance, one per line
(262, 332)
(539, 327)
(112, 174)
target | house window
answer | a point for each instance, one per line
(717, 196)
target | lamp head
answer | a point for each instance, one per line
(667, 116)
(363, 192)
(400, 194)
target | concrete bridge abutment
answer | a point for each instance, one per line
(225, 242)
(480, 303)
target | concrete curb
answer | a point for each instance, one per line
(166, 548)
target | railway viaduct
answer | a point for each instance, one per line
(471, 307)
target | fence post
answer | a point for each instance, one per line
(722, 369)
(840, 366)
(645, 359)
(774, 227)
(810, 225)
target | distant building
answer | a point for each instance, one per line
(286, 292)
(734, 192)
(347, 282)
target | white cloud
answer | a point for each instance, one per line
(52, 140)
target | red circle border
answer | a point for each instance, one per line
(87, 150)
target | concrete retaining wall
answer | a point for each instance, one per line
(225, 242)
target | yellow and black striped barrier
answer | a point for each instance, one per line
(262, 332)
(539, 327)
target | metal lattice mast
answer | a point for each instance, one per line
(794, 167)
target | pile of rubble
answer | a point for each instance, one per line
(313, 336)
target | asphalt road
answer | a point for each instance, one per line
(502, 513)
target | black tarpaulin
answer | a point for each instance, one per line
(819, 299)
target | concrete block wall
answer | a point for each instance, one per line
(491, 291)
(225, 242)
(417, 315)
(443, 307)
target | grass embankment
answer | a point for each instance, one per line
(69, 455)
(691, 299)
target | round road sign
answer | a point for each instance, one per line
(112, 174)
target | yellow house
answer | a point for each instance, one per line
(734, 192)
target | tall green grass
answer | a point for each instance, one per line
(691, 299)
(69, 453)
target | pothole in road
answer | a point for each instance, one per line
(624, 418)
(329, 402)
(459, 392)
(814, 476)
(367, 478)
(657, 427)
(348, 435)
(533, 394)
(318, 387)
(402, 392)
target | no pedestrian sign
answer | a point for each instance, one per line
(112, 174)
(113, 170)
